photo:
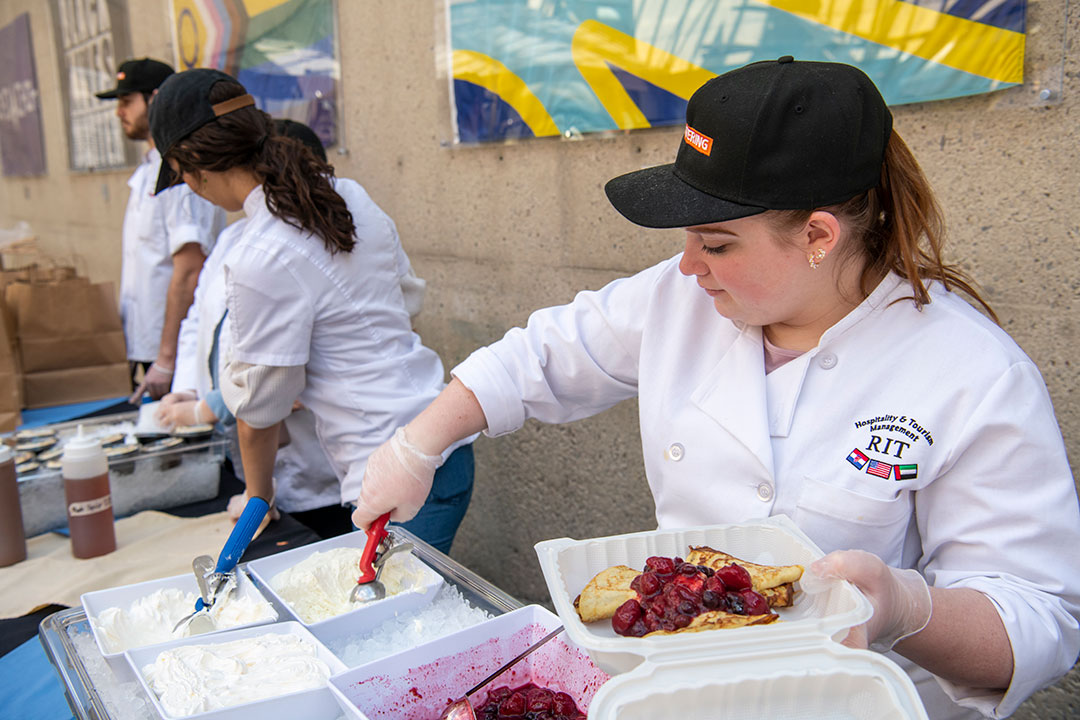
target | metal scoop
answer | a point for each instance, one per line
(213, 578)
(462, 709)
(380, 546)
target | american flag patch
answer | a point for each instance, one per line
(857, 459)
(882, 470)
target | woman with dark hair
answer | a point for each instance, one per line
(316, 308)
(806, 355)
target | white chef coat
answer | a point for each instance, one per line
(155, 228)
(342, 317)
(942, 399)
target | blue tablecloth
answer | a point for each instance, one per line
(63, 413)
(29, 686)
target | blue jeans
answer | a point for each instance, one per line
(442, 513)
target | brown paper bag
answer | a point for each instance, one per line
(10, 385)
(68, 324)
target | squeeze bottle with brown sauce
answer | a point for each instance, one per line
(12, 539)
(85, 470)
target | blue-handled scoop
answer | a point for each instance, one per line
(213, 578)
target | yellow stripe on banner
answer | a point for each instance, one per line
(489, 73)
(973, 47)
(254, 7)
(596, 45)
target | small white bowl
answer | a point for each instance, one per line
(94, 603)
(314, 703)
(356, 621)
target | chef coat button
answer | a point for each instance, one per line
(827, 361)
(764, 491)
(675, 452)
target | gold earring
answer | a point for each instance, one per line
(816, 257)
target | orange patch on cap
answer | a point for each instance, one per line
(120, 75)
(699, 141)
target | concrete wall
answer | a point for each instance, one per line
(501, 230)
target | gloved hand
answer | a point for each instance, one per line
(156, 381)
(185, 412)
(900, 598)
(237, 503)
(175, 397)
(397, 480)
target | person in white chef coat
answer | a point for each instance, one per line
(316, 310)
(166, 238)
(305, 485)
(807, 353)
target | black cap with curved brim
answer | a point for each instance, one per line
(137, 76)
(773, 135)
(182, 106)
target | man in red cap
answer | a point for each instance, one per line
(166, 238)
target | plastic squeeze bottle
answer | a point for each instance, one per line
(12, 538)
(85, 470)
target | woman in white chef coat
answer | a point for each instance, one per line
(316, 312)
(806, 354)
(305, 485)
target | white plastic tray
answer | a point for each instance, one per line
(418, 684)
(827, 682)
(568, 565)
(355, 621)
(94, 603)
(305, 703)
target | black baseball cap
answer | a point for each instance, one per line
(138, 76)
(182, 106)
(303, 133)
(772, 135)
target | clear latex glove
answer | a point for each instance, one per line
(175, 397)
(236, 505)
(900, 598)
(397, 480)
(184, 412)
(156, 382)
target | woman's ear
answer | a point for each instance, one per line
(821, 232)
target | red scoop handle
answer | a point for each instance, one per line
(375, 535)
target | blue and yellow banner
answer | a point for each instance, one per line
(282, 51)
(535, 68)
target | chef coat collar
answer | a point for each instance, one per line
(887, 291)
(255, 201)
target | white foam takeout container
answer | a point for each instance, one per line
(356, 621)
(796, 662)
(314, 703)
(94, 603)
(418, 684)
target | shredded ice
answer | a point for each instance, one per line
(447, 613)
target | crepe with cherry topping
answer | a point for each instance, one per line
(708, 590)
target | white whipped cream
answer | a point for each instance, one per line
(150, 619)
(199, 678)
(318, 588)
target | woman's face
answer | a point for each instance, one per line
(210, 186)
(751, 276)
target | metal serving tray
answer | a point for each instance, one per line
(56, 631)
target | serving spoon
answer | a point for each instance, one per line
(462, 709)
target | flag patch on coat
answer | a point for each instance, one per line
(857, 459)
(905, 472)
(882, 470)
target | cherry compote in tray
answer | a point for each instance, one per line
(418, 684)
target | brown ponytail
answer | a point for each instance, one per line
(898, 227)
(297, 184)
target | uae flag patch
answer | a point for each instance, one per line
(905, 472)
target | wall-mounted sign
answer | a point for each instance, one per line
(529, 68)
(92, 41)
(282, 51)
(22, 148)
